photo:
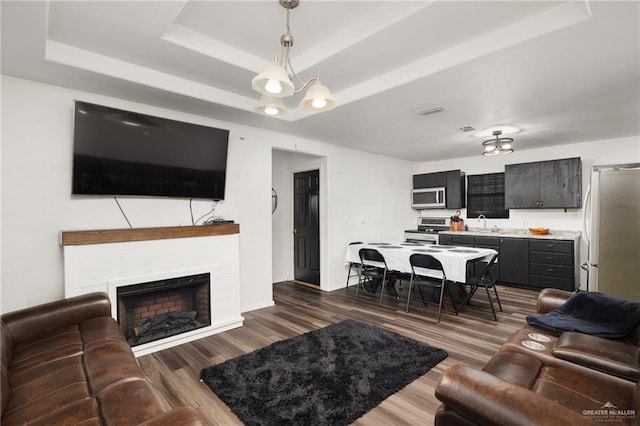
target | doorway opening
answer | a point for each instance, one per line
(298, 221)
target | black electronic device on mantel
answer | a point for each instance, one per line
(217, 222)
(117, 152)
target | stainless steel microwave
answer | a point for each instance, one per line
(429, 198)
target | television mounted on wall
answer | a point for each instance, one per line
(124, 153)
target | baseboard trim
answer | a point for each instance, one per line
(315, 286)
(244, 309)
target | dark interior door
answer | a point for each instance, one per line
(306, 223)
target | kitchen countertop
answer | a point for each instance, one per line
(554, 234)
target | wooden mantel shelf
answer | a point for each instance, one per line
(74, 238)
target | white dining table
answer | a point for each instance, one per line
(453, 258)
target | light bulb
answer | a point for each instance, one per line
(505, 146)
(319, 103)
(271, 110)
(273, 86)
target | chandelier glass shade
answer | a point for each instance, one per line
(497, 145)
(274, 82)
(270, 105)
(318, 98)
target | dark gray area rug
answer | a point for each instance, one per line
(330, 376)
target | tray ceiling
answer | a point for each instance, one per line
(562, 71)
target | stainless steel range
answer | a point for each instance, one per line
(428, 228)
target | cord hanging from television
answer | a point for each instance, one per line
(210, 215)
(122, 211)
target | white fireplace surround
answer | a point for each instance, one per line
(98, 262)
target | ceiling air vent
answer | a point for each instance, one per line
(430, 110)
(466, 129)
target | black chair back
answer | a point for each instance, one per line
(425, 261)
(372, 255)
(374, 266)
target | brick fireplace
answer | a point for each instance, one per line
(158, 309)
(163, 260)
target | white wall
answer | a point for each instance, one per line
(281, 218)
(37, 139)
(625, 150)
(363, 196)
(285, 164)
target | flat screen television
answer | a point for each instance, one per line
(117, 152)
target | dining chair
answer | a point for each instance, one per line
(373, 266)
(487, 281)
(355, 265)
(420, 279)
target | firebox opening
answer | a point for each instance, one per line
(159, 309)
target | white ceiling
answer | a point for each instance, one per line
(563, 71)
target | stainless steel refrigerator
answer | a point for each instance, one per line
(611, 228)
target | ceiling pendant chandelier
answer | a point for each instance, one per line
(274, 81)
(498, 145)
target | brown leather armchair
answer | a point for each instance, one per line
(568, 378)
(576, 351)
(515, 389)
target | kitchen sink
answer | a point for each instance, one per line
(486, 231)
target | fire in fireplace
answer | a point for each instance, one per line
(159, 309)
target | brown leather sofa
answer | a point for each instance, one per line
(568, 378)
(67, 362)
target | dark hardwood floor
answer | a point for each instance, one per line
(470, 338)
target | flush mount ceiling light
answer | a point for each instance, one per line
(497, 145)
(274, 81)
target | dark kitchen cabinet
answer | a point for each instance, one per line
(487, 242)
(514, 260)
(534, 263)
(456, 185)
(430, 180)
(544, 184)
(462, 240)
(552, 264)
(453, 181)
(445, 239)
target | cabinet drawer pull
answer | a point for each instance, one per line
(549, 257)
(550, 270)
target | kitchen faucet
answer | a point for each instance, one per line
(484, 225)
